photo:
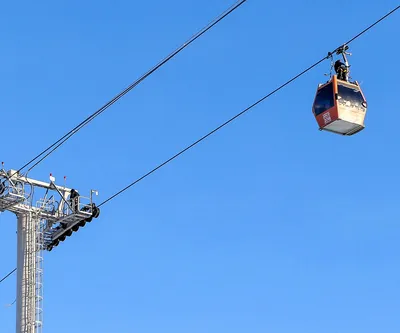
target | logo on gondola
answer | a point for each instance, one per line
(327, 117)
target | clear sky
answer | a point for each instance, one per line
(267, 226)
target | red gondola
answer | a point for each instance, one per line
(339, 105)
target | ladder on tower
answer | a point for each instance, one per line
(39, 226)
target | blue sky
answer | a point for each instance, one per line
(267, 226)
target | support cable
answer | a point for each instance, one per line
(63, 139)
(9, 274)
(245, 110)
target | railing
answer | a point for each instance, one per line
(78, 204)
(11, 194)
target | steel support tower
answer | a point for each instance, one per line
(46, 214)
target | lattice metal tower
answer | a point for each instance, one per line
(42, 222)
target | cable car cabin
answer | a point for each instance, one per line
(340, 107)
